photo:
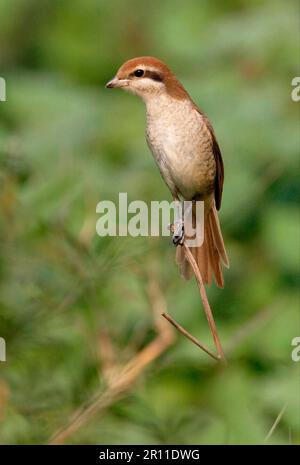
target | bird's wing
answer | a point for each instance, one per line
(219, 179)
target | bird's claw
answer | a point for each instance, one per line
(178, 232)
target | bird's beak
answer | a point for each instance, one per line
(116, 82)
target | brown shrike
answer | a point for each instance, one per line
(185, 148)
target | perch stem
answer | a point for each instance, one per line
(189, 336)
(205, 302)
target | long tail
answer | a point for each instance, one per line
(210, 255)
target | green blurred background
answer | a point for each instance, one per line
(66, 143)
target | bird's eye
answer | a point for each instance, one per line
(139, 73)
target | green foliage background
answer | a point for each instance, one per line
(66, 143)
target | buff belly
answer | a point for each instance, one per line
(182, 149)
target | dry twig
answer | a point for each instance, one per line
(205, 302)
(279, 416)
(120, 379)
(189, 336)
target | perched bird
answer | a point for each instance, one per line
(186, 151)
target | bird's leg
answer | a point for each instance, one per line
(177, 227)
(178, 232)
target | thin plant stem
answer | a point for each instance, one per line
(190, 336)
(205, 302)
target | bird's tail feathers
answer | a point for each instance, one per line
(209, 256)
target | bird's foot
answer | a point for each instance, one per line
(178, 232)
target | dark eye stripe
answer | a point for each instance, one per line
(150, 74)
(153, 75)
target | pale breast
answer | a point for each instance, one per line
(181, 146)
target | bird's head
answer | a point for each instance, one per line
(147, 77)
